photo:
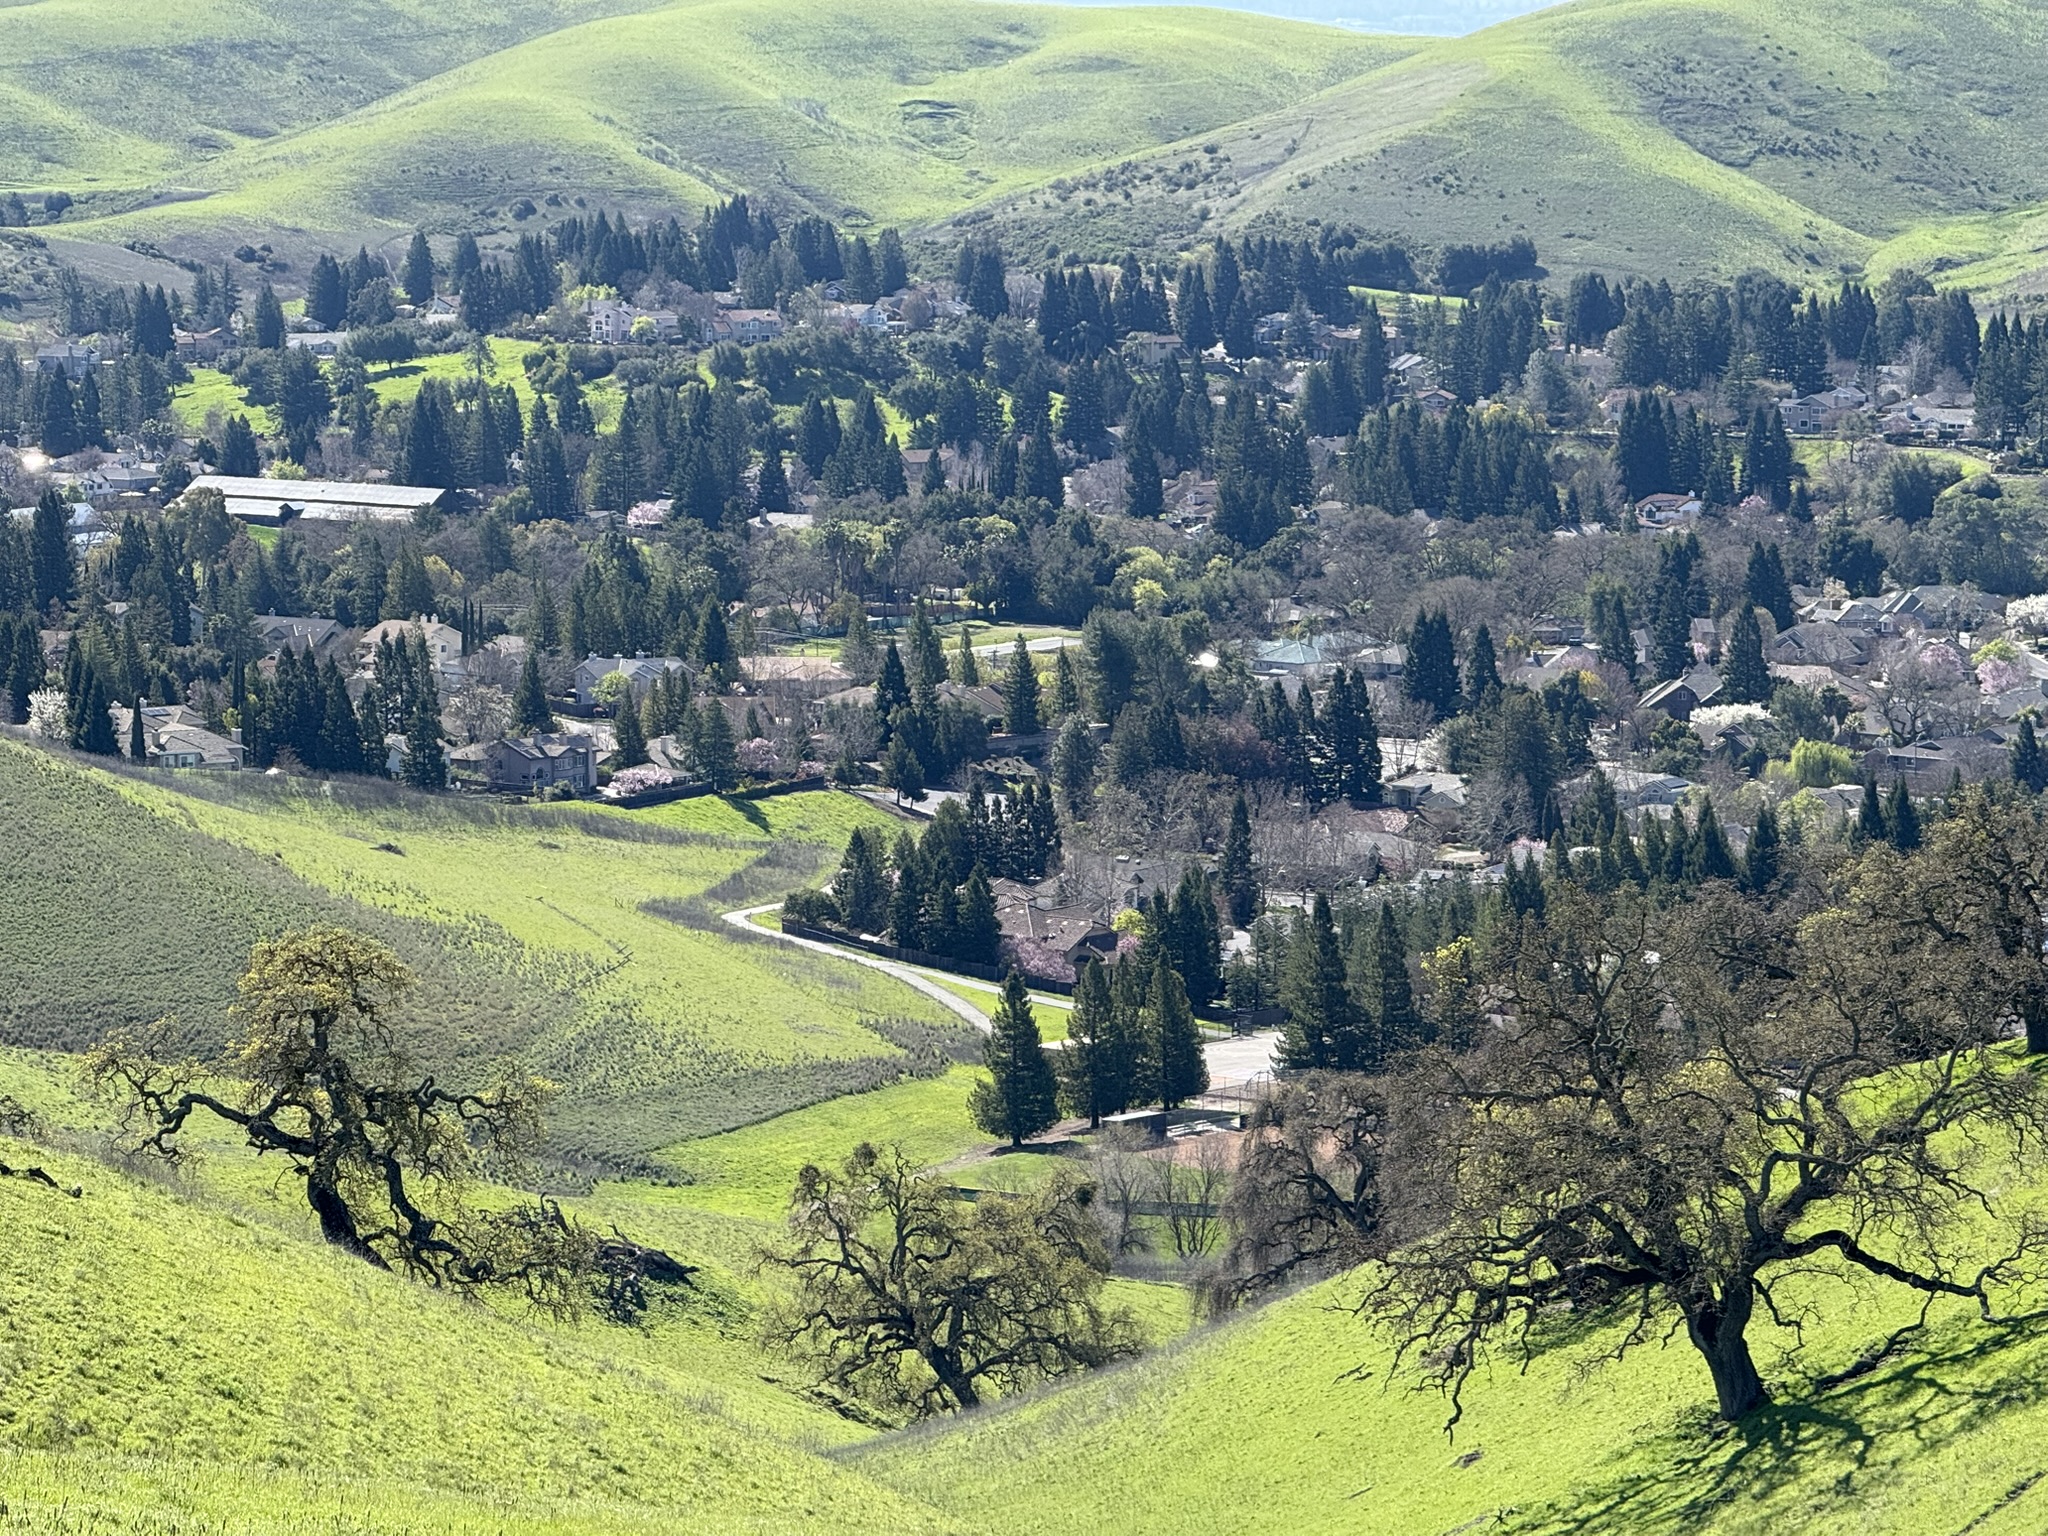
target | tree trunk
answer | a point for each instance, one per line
(2034, 1010)
(337, 1222)
(1717, 1331)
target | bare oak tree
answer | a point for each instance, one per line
(906, 1298)
(1305, 1201)
(385, 1151)
(1677, 1109)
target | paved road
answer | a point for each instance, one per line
(1231, 1062)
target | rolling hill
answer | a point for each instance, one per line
(1669, 136)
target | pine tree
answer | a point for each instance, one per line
(977, 932)
(416, 277)
(861, 886)
(238, 453)
(1400, 1025)
(60, 437)
(1020, 692)
(425, 767)
(138, 746)
(53, 573)
(1766, 586)
(716, 754)
(1709, 857)
(1431, 673)
(1482, 670)
(902, 770)
(1181, 1072)
(966, 670)
(1066, 687)
(1240, 879)
(1021, 1097)
(95, 727)
(269, 320)
(1745, 674)
(1314, 993)
(1087, 1068)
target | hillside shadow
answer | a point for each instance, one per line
(1838, 1439)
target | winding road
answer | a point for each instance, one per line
(1232, 1063)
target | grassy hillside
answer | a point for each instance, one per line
(1649, 135)
(1667, 135)
(174, 1365)
(895, 112)
(1261, 1425)
(584, 942)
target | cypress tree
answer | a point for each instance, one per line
(1021, 1097)
(1870, 827)
(1709, 857)
(1760, 862)
(416, 277)
(530, 712)
(2029, 764)
(53, 573)
(1482, 669)
(1901, 819)
(1431, 674)
(1181, 1071)
(1240, 880)
(138, 746)
(632, 735)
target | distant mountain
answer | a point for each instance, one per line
(1666, 136)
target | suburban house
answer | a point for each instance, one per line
(612, 322)
(174, 736)
(202, 346)
(277, 501)
(748, 327)
(68, 358)
(1665, 510)
(1679, 697)
(641, 670)
(1149, 349)
(279, 632)
(1426, 791)
(528, 764)
(443, 642)
(319, 343)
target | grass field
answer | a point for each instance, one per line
(584, 942)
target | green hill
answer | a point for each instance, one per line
(894, 112)
(1649, 135)
(1293, 1420)
(1667, 136)
(581, 941)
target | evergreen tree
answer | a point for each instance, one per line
(416, 277)
(2029, 763)
(138, 746)
(1240, 879)
(531, 715)
(1766, 586)
(1870, 826)
(1709, 857)
(1760, 862)
(1020, 693)
(1066, 687)
(1901, 819)
(966, 669)
(1144, 494)
(53, 573)
(1321, 1027)
(326, 295)
(977, 932)
(269, 320)
(902, 770)
(1745, 674)
(60, 436)
(1399, 1023)
(1021, 1097)
(717, 756)
(862, 886)
(1180, 1070)
(1087, 1068)
(1431, 674)
(425, 766)
(238, 454)
(632, 735)
(94, 729)
(1482, 670)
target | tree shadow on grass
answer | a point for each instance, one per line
(1841, 1441)
(748, 809)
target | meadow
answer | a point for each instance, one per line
(584, 942)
